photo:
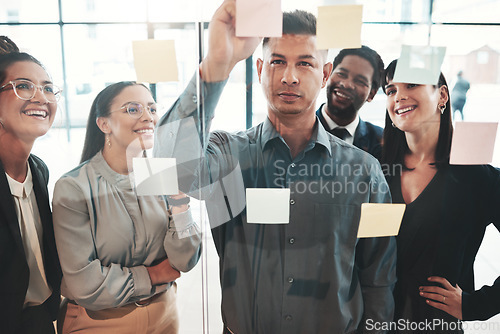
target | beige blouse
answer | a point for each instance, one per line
(106, 235)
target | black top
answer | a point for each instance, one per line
(441, 232)
(418, 243)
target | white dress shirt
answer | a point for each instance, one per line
(351, 127)
(30, 226)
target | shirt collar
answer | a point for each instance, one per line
(21, 189)
(319, 136)
(351, 127)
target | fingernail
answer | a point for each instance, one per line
(421, 288)
(421, 293)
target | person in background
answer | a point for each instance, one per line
(30, 275)
(355, 80)
(120, 253)
(448, 208)
(459, 94)
(310, 274)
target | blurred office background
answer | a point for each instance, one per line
(87, 44)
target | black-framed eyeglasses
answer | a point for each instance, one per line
(26, 90)
(136, 110)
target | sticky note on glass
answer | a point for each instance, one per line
(473, 143)
(155, 176)
(259, 18)
(155, 60)
(268, 205)
(339, 26)
(380, 219)
(419, 64)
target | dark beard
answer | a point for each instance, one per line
(348, 113)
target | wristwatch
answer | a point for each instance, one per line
(178, 202)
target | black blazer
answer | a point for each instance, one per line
(14, 272)
(367, 137)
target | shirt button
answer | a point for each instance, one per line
(290, 279)
(288, 318)
(291, 240)
(195, 99)
(292, 165)
(292, 202)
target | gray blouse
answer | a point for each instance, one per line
(106, 235)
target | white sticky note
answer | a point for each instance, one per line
(473, 143)
(380, 219)
(259, 18)
(268, 205)
(155, 60)
(155, 176)
(339, 26)
(419, 64)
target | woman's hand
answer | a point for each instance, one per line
(447, 299)
(162, 273)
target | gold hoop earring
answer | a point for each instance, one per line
(108, 141)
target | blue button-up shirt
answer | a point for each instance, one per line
(312, 275)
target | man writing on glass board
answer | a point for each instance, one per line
(311, 275)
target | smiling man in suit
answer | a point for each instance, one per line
(355, 80)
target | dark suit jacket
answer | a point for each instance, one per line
(14, 272)
(367, 137)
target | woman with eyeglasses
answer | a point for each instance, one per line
(120, 253)
(30, 274)
(448, 208)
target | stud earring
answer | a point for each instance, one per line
(394, 125)
(108, 141)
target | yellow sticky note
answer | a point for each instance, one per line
(473, 143)
(380, 219)
(155, 60)
(339, 26)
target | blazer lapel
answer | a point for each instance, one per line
(7, 206)
(360, 137)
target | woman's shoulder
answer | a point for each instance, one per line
(483, 178)
(79, 177)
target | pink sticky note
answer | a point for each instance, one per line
(473, 143)
(259, 18)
